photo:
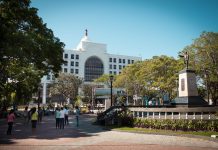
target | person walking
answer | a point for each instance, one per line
(62, 118)
(34, 118)
(25, 115)
(10, 120)
(66, 113)
(77, 115)
(57, 117)
(40, 113)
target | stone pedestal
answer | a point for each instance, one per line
(188, 94)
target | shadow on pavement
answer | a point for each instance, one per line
(47, 130)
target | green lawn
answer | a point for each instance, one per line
(166, 132)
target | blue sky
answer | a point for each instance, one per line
(142, 28)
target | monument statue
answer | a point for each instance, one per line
(188, 93)
(186, 58)
(86, 32)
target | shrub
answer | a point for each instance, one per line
(184, 125)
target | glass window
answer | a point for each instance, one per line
(93, 68)
(65, 69)
(77, 64)
(110, 72)
(72, 56)
(124, 66)
(110, 66)
(120, 67)
(65, 55)
(115, 60)
(132, 61)
(120, 60)
(115, 72)
(72, 63)
(48, 77)
(77, 71)
(65, 63)
(124, 61)
(71, 70)
(110, 60)
(128, 61)
(77, 56)
(115, 67)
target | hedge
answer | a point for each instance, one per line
(184, 125)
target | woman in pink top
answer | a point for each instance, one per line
(10, 120)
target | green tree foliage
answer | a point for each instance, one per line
(204, 59)
(66, 85)
(150, 77)
(28, 49)
(87, 93)
(104, 79)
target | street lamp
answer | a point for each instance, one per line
(111, 80)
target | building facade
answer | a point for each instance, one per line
(90, 60)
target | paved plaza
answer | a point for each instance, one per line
(92, 137)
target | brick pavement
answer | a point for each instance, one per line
(88, 136)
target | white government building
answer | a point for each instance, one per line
(90, 60)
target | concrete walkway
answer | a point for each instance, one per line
(91, 137)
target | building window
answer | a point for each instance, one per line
(65, 63)
(110, 66)
(132, 61)
(124, 66)
(77, 64)
(115, 72)
(77, 71)
(115, 60)
(119, 72)
(120, 60)
(71, 70)
(48, 77)
(110, 72)
(115, 67)
(93, 68)
(77, 56)
(120, 67)
(128, 61)
(124, 61)
(65, 69)
(72, 63)
(72, 56)
(65, 55)
(110, 60)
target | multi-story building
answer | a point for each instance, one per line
(90, 60)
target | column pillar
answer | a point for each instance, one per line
(44, 93)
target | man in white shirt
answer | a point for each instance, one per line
(62, 113)
(66, 113)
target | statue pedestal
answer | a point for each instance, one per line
(188, 94)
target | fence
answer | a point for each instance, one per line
(200, 113)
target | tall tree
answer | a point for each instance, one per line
(25, 41)
(66, 85)
(88, 93)
(204, 59)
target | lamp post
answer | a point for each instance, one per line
(111, 80)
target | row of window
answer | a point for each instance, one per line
(71, 56)
(49, 77)
(114, 73)
(115, 66)
(76, 71)
(121, 60)
(72, 63)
